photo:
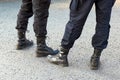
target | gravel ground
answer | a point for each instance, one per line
(23, 65)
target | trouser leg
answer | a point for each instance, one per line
(24, 14)
(100, 39)
(40, 9)
(103, 14)
(79, 10)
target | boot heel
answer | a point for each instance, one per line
(41, 53)
(65, 64)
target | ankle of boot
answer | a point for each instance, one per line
(41, 40)
(97, 52)
(21, 35)
(64, 51)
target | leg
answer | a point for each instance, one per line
(100, 39)
(79, 11)
(40, 10)
(24, 14)
(103, 14)
(41, 13)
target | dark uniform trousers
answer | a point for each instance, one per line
(79, 10)
(38, 8)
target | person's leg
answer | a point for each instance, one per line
(24, 14)
(79, 10)
(100, 39)
(41, 13)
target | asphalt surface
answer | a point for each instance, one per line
(23, 65)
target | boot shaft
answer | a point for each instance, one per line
(64, 51)
(21, 35)
(42, 48)
(97, 52)
(95, 59)
(41, 40)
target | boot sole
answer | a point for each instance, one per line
(61, 64)
(42, 53)
(45, 53)
(95, 68)
(25, 47)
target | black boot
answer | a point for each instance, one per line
(60, 58)
(95, 59)
(42, 49)
(23, 42)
